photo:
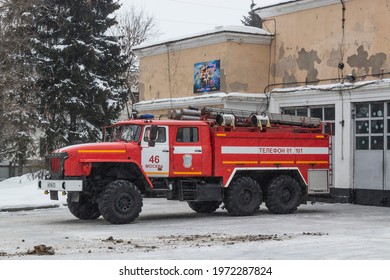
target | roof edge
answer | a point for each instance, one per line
(293, 6)
(240, 34)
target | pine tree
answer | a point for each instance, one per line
(252, 19)
(80, 69)
(18, 109)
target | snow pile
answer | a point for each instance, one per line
(22, 192)
(217, 29)
(271, 3)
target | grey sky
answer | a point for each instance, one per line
(182, 17)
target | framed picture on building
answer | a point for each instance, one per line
(207, 76)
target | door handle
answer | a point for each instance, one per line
(165, 151)
(198, 151)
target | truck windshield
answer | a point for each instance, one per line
(128, 133)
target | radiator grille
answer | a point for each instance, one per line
(55, 164)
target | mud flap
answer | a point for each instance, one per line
(54, 195)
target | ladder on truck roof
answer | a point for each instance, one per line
(234, 117)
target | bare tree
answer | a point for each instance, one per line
(134, 27)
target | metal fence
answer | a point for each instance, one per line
(8, 170)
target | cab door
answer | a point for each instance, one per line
(155, 159)
(187, 152)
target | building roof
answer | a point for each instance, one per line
(272, 8)
(230, 33)
(272, 3)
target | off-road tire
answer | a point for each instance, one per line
(283, 195)
(120, 202)
(85, 209)
(204, 206)
(243, 197)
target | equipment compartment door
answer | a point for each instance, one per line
(187, 152)
(155, 160)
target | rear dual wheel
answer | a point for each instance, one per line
(204, 206)
(284, 195)
(243, 197)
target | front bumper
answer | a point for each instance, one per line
(61, 185)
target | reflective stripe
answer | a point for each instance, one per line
(157, 173)
(276, 162)
(312, 162)
(239, 150)
(187, 150)
(187, 173)
(247, 150)
(240, 162)
(101, 151)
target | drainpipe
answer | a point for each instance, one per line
(341, 67)
(343, 17)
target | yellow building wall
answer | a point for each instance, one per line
(310, 44)
(247, 68)
(243, 68)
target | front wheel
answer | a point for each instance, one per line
(85, 209)
(204, 206)
(120, 202)
(243, 197)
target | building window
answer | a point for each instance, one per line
(370, 126)
(325, 113)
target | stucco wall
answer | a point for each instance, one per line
(310, 44)
(247, 67)
(244, 68)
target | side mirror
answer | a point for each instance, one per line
(153, 136)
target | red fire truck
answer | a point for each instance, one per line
(204, 157)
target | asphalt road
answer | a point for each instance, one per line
(171, 230)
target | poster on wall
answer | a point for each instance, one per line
(207, 76)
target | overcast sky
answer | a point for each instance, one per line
(182, 17)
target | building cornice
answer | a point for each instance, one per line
(216, 36)
(293, 6)
(359, 91)
(180, 102)
(204, 100)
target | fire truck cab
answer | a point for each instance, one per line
(206, 161)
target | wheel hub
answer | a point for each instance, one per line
(123, 203)
(285, 195)
(246, 197)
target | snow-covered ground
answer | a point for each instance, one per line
(169, 235)
(170, 230)
(22, 192)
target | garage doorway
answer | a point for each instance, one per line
(372, 152)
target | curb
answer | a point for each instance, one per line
(16, 209)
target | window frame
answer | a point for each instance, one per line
(192, 135)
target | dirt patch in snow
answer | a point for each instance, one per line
(199, 240)
(41, 250)
(111, 244)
